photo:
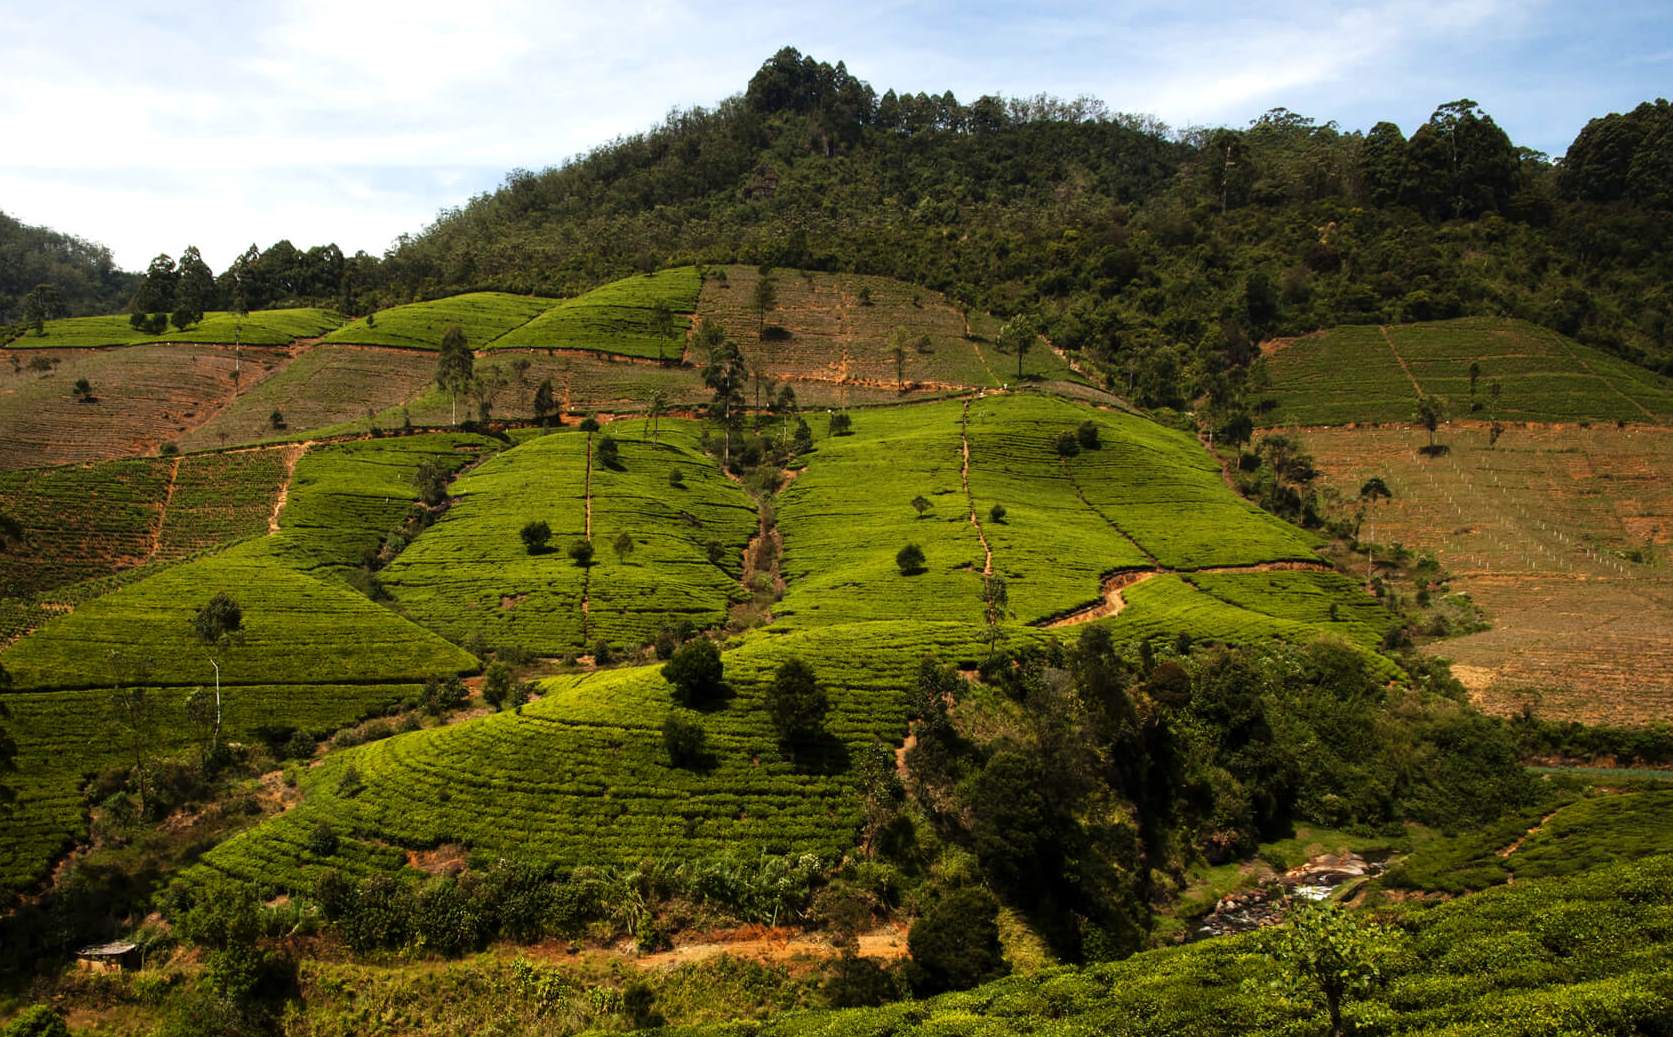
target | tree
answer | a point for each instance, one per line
(156, 292)
(43, 303)
(996, 514)
(1017, 336)
(200, 717)
(1331, 954)
(921, 504)
(1431, 411)
(1475, 376)
(662, 326)
(899, 354)
(696, 672)
(623, 546)
(1067, 444)
(454, 366)
(765, 298)
(1087, 435)
(726, 376)
(656, 406)
(1370, 492)
(910, 559)
(194, 290)
(544, 404)
(496, 684)
(216, 624)
(132, 709)
(84, 391)
(536, 534)
(797, 703)
(684, 738)
(955, 944)
(430, 480)
(582, 552)
(996, 605)
(609, 452)
(841, 425)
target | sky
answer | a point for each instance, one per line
(151, 126)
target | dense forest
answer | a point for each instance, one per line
(82, 276)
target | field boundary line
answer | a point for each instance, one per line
(964, 475)
(1389, 339)
(1605, 379)
(162, 510)
(293, 454)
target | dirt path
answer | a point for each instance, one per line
(1400, 360)
(587, 572)
(777, 945)
(964, 474)
(293, 454)
(1111, 604)
(1505, 853)
(162, 512)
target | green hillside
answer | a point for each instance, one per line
(257, 328)
(1369, 374)
(482, 316)
(620, 317)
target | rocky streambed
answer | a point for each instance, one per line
(1265, 905)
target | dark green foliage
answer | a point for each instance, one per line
(797, 703)
(841, 424)
(81, 275)
(855, 982)
(1067, 444)
(955, 944)
(696, 673)
(608, 453)
(430, 479)
(685, 739)
(536, 534)
(219, 619)
(910, 560)
(997, 513)
(442, 695)
(1087, 435)
(496, 684)
(1623, 158)
(581, 552)
(37, 1021)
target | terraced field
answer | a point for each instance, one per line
(1369, 374)
(471, 573)
(258, 328)
(837, 337)
(482, 316)
(581, 775)
(620, 318)
(145, 396)
(1541, 531)
(325, 389)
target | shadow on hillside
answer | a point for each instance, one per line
(823, 755)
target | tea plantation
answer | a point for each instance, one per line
(258, 328)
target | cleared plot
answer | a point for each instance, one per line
(620, 317)
(850, 511)
(835, 336)
(345, 498)
(298, 630)
(1541, 531)
(324, 387)
(64, 737)
(259, 328)
(145, 396)
(1367, 374)
(85, 521)
(581, 775)
(482, 316)
(470, 573)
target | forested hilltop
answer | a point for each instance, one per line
(1165, 254)
(81, 275)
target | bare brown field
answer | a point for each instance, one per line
(145, 396)
(1562, 534)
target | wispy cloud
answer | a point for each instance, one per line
(151, 126)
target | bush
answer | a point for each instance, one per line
(322, 840)
(582, 552)
(996, 514)
(955, 945)
(299, 746)
(1068, 444)
(696, 673)
(841, 425)
(603, 654)
(1087, 435)
(685, 739)
(37, 1021)
(676, 478)
(535, 536)
(496, 684)
(797, 703)
(910, 559)
(855, 982)
(609, 453)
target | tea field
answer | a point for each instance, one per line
(1366, 374)
(257, 328)
(482, 316)
(620, 317)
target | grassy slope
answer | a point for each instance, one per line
(259, 328)
(482, 316)
(616, 318)
(1354, 374)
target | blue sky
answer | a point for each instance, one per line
(150, 126)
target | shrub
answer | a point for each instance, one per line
(582, 552)
(37, 1021)
(1087, 435)
(955, 945)
(685, 739)
(676, 478)
(496, 684)
(797, 703)
(696, 672)
(299, 746)
(910, 559)
(535, 536)
(996, 514)
(855, 982)
(603, 654)
(841, 425)
(1068, 445)
(322, 840)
